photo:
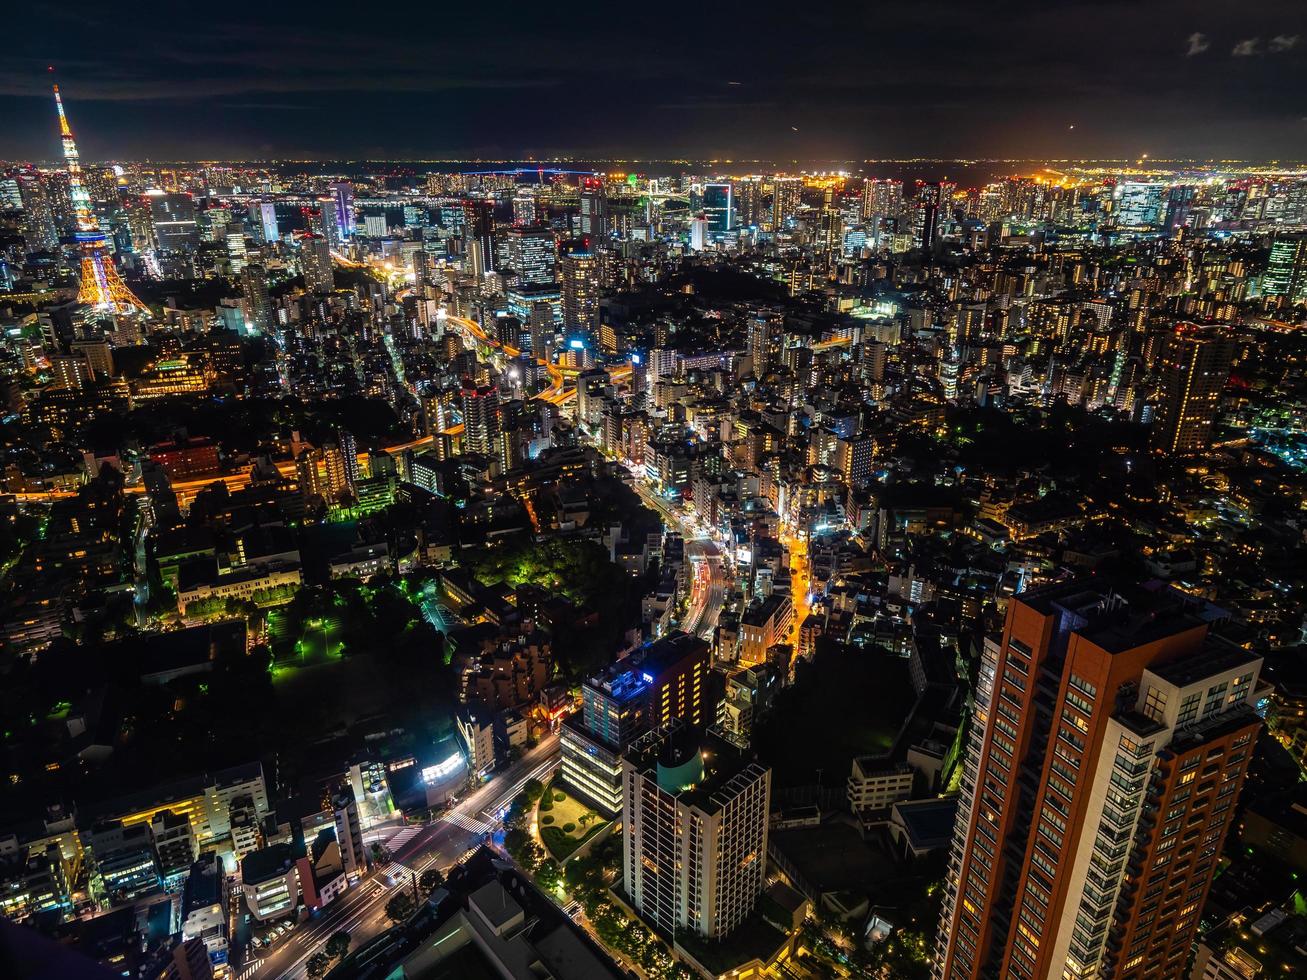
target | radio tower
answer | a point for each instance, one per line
(101, 285)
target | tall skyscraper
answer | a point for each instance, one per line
(263, 221)
(258, 305)
(322, 220)
(926, 215)
(1195, 366)
(315, 264)
(175, 227)
(1139, 204)
(524, 208)
(1111, 737)
(748, 202)
(718, 208)
(101, 287)
(881, 197)
(342, 195)
(579, 275)
(786, 194)
(532, 254)
(479, 227)
(696, 831)
(38, 225)
(1286, 271)
(594, 211)
(480, 420)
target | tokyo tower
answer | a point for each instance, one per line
(101, 285)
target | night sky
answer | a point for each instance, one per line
(808, 81)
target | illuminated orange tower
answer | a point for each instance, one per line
(101, 286)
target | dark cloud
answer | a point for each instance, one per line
(863, 79)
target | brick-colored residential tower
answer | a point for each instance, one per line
(1111, 738)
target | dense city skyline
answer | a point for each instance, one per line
(683, 570)
(1065, 80)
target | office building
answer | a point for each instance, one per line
(1112, 733)
(342, 200)
(652, 687)
(1286, 270)
(270, 882)
(263, 222)
(1195, 366)
(204, 913)
(594, 212)
(479, 235)
(124, 859)
(525, 212)
(718, 208)
(1139, 204)
(695, 847)
(174, 847)
(532, 255)
(175, 227)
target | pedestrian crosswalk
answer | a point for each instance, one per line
(470, 824)
(248, 970)
(403, 837)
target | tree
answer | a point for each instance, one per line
(547, 875)
(533, 790)
(338, 945)
(400, 908)
(317, 965)
(430, 880)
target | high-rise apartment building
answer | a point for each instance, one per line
(315, 264)
(258, 304)
(748, 202)
(785, 197)
(695, 848)
(480, 419)
(579, 275)
(1112, 734)
(881, 197)
(1195, 366)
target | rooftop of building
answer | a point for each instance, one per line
(708, 771)
(266, 863)
(519, 933)
(1214, 658)
(1121, 617)
(928, 823)
(763, 610)
(204, 884)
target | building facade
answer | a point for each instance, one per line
(1112, 735)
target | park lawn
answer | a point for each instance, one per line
(564, 812)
